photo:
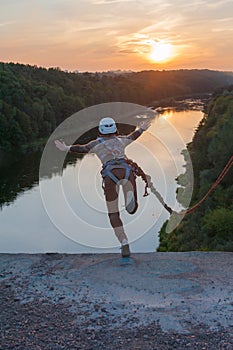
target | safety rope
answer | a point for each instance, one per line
(160, 199)
(139, 172)
(149, 184)
(219, 179)
(147, 179)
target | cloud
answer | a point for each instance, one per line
(140, 44)
(223, 25)
(4, 24)
(219, 3)
(106, 29)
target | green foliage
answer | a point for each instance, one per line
(210, 227)
(34, 100)
(218, 223)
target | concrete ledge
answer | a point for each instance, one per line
(174, 290)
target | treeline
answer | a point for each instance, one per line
(210, 227)
(34, 100)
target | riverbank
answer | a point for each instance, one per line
(189, 102)
(93, 301)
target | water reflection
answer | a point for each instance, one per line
(18, 175)
(25, 226)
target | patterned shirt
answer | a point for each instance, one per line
(108, 148)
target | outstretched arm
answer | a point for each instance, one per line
(145, 125)
(62, 146)
(142, 127)
(75, 148)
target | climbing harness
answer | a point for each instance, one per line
(116, 149)
(129, 165)
(139, 172)
(115, 164)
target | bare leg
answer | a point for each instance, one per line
(130, 195)
(111, 195)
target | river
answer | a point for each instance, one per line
(28, 225)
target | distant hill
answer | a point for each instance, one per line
(34, 100)
(210, 227)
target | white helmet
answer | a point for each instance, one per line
(107, 126)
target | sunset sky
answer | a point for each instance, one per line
(101, 35)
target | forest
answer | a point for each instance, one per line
(34, 100)
(210, 226)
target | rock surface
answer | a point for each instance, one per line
(101, 301)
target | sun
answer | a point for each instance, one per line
(161, 52)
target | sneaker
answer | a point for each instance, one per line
(125, 252)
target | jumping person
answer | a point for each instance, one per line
(117, 170)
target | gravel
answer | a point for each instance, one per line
(58, 301)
